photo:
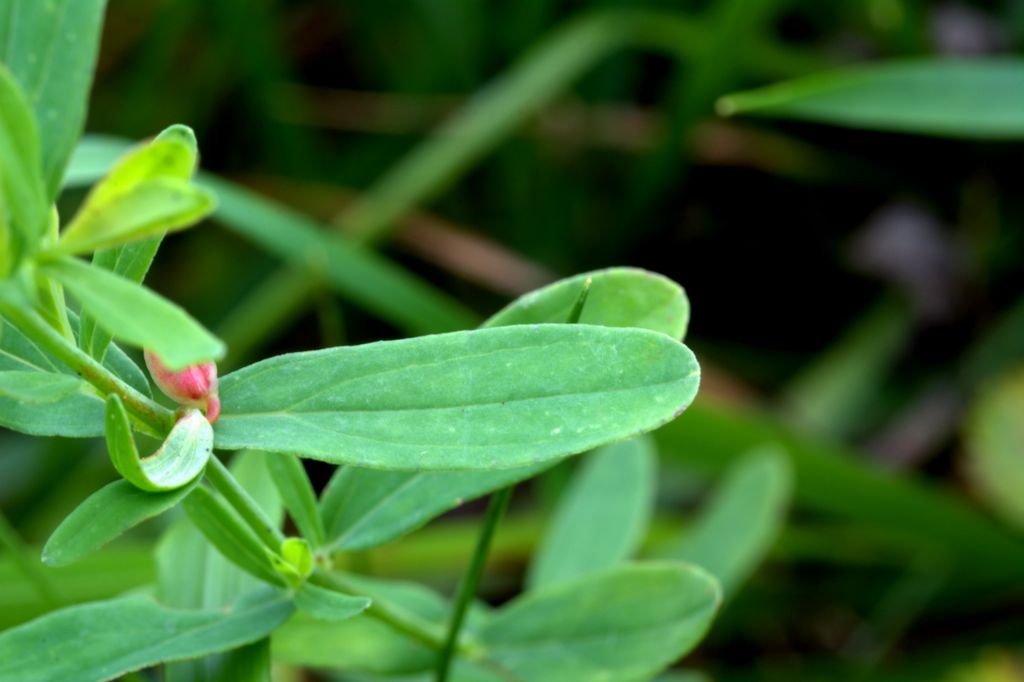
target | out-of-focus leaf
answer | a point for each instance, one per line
(179, 459)
(136, 314)
(626, 623)
(104, 640)
(602, 517)
(830, 479)
(328, 605)
(297, 494)
(488, 399)
(618, 297)
(742, 520)
(250, 663)
(976, 98)
(50, 46)
(363, 508)
(105, 515)
(995, 445)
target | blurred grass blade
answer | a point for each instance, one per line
(487, 399)
(103, 640)
(105, 515)
(830, 479)
(131, 312)
(51, 49)
(995, 446)
(250, 663)
(296, 492)
(741, 522)
(618, 297)
(627, 623)
(602, 517)
(979, 98)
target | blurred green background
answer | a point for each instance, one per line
(856, 294)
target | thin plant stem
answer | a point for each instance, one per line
(156, 418)
(468, 585)
(221, 479)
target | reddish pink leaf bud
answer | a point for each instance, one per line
(194, 386)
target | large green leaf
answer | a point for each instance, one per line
(38, 388)
(104, 640)
(742, 520)
(50, 46)
(995, 446)
(363, 508)
(489, 399)
(626, 623)
(977, 98)
(22, 195)
(105, 515)
(618, 297)
(136, 314)
(602, 517)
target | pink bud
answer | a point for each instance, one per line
(194, 386)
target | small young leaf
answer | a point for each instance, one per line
(105, 515)
(364, 508)
(617, 297)
(22, 193)
(180, 459)
(743, 519)
(228, 533)
(626, 623)
(38, 387)
(325, 604)
(977, 98)
(602, 518)
(297, 554)
(104, 640)
(51, 48)
(488, 399)
(297, 494)
(136, 314)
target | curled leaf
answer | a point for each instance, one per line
(180, 459)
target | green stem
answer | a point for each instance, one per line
(156, 418)
(467, 587)
(221, 479)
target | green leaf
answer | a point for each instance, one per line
(105, 515)
(104, 640)
(995, 446)
(226, 531)
(50, 46)
(22, 194)
(618, 297)
(742, 521)
(324, 604)
(136, 314)
(297, 494)
(364, 508)
(976, 98)
(488, 399)
(38, 387)
(627, 623)
(296, 560)
(130, 261)
(250, 663)
(179, 459)
(602, 517)
(153, 208)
